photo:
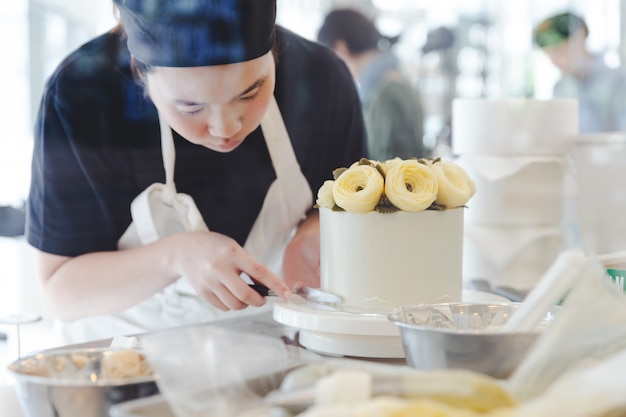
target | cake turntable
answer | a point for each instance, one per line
(337, 331)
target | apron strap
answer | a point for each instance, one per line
(169, 157)
(277, 140)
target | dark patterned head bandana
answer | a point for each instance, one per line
(194, 33)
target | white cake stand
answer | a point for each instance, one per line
(330, 331)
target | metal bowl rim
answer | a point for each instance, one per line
(100, 382)
(393, 317)
(461, 332)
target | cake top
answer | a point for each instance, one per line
(397, 184)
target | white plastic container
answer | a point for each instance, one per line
(599, 163)
(511, 256)
(515, 190)
(513, 126)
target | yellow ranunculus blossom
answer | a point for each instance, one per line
(325, 195)
(386, 165)
(411, 185)
(358, 189)
(455, 186)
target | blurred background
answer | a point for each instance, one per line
(448, 48)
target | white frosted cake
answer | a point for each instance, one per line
(391, 233)
(395, 259)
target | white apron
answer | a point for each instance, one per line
(160, 211)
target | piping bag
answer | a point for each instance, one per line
(562, 275)
(589, 330)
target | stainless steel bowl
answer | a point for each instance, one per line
(464, 336)
(70, 383)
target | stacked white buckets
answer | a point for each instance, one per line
(514, 149)
(599, 168)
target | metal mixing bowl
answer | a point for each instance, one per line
(70, 383)
(464, 336)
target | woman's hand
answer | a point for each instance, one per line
(213, 263)
(301, 265)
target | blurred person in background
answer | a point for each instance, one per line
(600, 90)
(441, 42)
(392, 107)
(178, 153)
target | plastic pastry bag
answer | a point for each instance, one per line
(590, 327)
(350, 381)
(592, 391)
(211, 371)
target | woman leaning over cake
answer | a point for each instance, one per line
(174, 161)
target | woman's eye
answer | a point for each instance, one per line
(190, 110)
(250, 96)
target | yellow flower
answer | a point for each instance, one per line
(411, 186)
(325, 195)
(358, 189)
(455, 186)
(386, 165)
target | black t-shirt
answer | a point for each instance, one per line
(97, 146)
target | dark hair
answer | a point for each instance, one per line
(558, 28)
(356, 30)
(139, 69)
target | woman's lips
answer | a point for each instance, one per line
(223, 145)
(229, 145)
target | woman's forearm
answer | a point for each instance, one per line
(104, 282)
(109, 282)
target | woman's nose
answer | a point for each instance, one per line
(224, 124)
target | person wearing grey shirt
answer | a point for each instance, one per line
(392, 106)
(600, 90)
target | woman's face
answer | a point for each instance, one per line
(217, 106)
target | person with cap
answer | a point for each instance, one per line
(176, 159)
(392, 107)
(600, 90)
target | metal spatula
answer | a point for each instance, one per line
(315, 295)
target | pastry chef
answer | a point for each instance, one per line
(175, 162)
